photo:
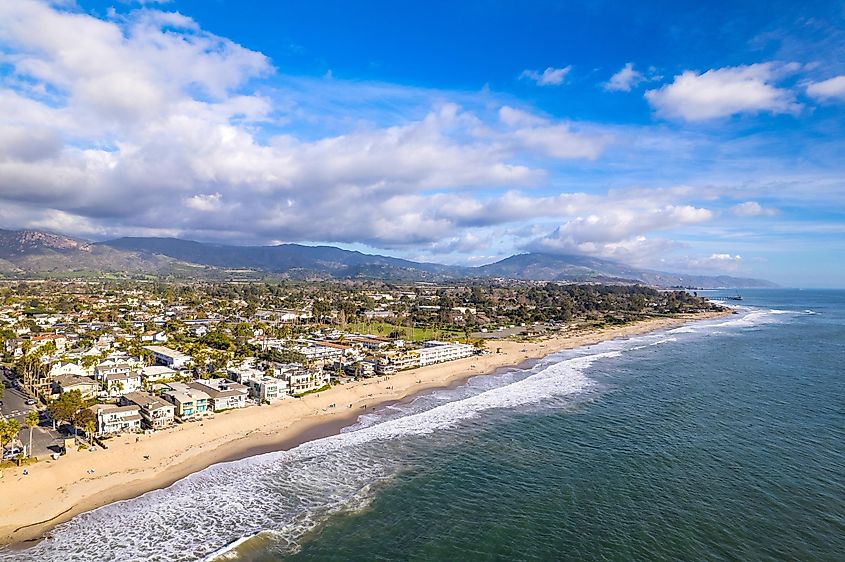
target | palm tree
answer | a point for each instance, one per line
(31, 420)
(90, 428)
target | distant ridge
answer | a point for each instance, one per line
(553, 267)
(273, 259)
(32, 253)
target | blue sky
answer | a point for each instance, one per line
(685, 136)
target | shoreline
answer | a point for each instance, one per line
(56, 491)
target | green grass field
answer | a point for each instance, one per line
(378, 328)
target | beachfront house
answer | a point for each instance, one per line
(267, 389)
(300, 381)
(438, 352)
(393, 361)
(113, 419)
(155, 412)
(189, 403)
(223, 394)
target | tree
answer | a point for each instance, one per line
(82, 419)
(90, 427)
(32, 421)
(8, 431)
(66, 407)
(89, 361)
(320, 309)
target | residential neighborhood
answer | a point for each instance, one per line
(99, 359)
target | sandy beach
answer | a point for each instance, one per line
(55, 491)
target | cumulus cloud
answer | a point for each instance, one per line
(145, 124)
(716, 262)
(827, 90)
(551, 139)
(624, 80)
(752, 209)
(549, 77)
(615, 224)
(132, 120)
(723, 92)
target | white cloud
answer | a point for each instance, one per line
(204, 202)
(830, 89)
(146, 109)
(551, 139)
(752, 209)
(517, 118)
(103, 134)
(716, 262)
(624, 80)
(549, 77)
(723, 92)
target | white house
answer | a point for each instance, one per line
(223, 394)
(439, 352)
(117, 419)
(157, 373)
(111, 367)
(243, 373)
(60, 369)
(304, 380)
(118, 384)
(170, 357)
(323, 352)
(267, 389)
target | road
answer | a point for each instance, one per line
(45, 440)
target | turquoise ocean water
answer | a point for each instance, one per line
(721, 440)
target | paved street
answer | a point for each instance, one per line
(14, 406)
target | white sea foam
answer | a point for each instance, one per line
(287, 493)
(683, 330)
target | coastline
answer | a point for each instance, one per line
(55, 491)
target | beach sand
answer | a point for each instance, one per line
(56, 490)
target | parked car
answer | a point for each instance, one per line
(12, 453)
(30, 402)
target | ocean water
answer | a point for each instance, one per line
(720, 440)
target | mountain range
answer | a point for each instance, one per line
(32, 253)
